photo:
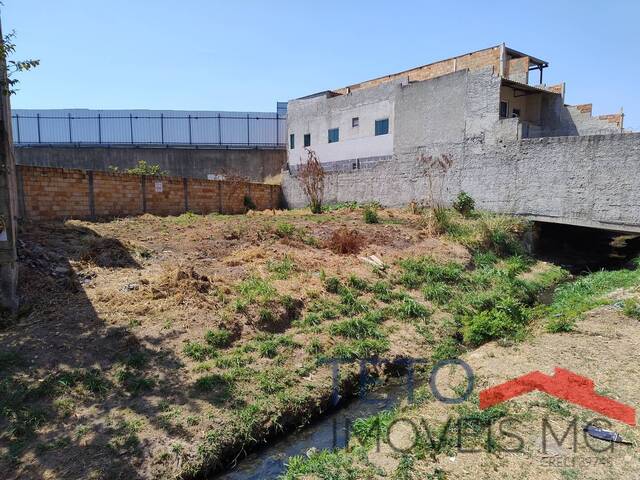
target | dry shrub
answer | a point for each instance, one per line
(106, 252)
(345, 241)
(311, 178)
(183, 286)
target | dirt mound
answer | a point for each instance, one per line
(182, 286)
(107, 252)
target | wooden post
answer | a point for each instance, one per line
(8, 201)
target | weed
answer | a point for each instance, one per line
(315, 347)
(360, 349)
(464, 203)
(197, 351)
(631, 308)
(285, 230)
(274, 380)
(256, 290)
(438, 293)
(332, 285)
(358, 283)
(374, 428)
(483, 259)
(218, 338)
(370, 215)
(446, 349)
(268, 345)
(560, 324)
(410, 309)
(214, 382)
(571, 300)
(282, 269)
(325, 464)
(187, 218)
(357, 328)
(507, 318)
(340, 206)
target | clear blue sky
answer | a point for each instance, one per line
(246, 55)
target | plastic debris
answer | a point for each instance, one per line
(606, 435)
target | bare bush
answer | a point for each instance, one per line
(345, 241)
(311, 178)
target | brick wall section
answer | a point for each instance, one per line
(117, 194)
(471, 61)
(517, 69)
(164, 195)
(56, 193)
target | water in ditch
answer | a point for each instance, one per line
(330, 431)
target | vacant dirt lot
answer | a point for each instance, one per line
(157, 347)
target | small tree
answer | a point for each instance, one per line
(7, 48)
(311, 178)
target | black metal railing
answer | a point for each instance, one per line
(223, 130)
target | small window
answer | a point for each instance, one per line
(307, 140)
(334, 135)
(516, 113)
(292, 141)
(503, 109)
(382, 126)
(355, 122)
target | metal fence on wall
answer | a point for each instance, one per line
(222, 129)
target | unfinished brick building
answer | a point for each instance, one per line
(514, 143)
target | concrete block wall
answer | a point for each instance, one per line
(255, 165)
(590, 181)
(56, 193)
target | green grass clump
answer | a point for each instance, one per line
(438, 293)
(218, 338)
(282, 269)
(326, 465)
(256, 290)
(285, 230)
(374, 429)
(358, 328)
(358, 283)
(572, 300)
(507, 318)
(197, 351)
(268, 345)
(332, 285)
(274, 380)
(409, 309)
(360, 349)
(419, 271)
(482, 259)
(370, 215)
(631, 308)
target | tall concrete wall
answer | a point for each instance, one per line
(256, 165)
(591, 181)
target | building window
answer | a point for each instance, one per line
(504, 108)
(307, 140)
(292, 141)
(382, 126)
(334, 135)
(355, 122)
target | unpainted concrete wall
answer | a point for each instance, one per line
(590, 181)
(256, 165)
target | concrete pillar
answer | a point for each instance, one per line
(8, 202)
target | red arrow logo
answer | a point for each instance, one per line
(565, 385)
